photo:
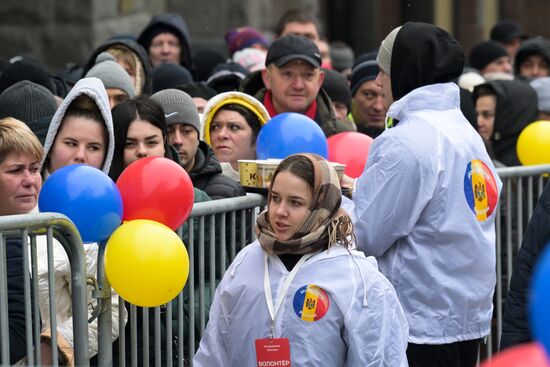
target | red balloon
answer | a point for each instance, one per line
(158, 189)
(350, 148)
(525, 355)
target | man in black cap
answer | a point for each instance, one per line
(509, 34)
(292, 82)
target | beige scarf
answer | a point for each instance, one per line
(324, 225)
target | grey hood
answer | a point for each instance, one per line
(93, 88)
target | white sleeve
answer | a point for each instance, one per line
(380, 331)
(212, 351)
(390, 195)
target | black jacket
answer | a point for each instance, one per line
(16, 299)
(177, 25)
(253, 85)
(515, 325)
(207, 176)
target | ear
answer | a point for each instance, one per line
(266, 78)
(321, 78)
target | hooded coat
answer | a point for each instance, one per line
(174, 23)
(517, 107)
(417, 204)
(93, 88)
(137, 49)
(534, 46)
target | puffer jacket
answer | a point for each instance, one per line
(207, 176)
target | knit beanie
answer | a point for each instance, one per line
(337, 88)
(167, 75)
(484, 53)
(178, 108)
(241, 38)
(27, 101)
(367, 70)
(384, 53)
(25, 69)
(111, 74)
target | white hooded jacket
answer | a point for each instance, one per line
(93, 88)
(419, 210)
(362, 324)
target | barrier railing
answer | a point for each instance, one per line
(25, 229)
(216, 230)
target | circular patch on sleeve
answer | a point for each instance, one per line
(310, 303)
(480, 189)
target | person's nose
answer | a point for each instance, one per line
(166, 48)
(141, 151)
(80, 155)
(176, 138)
(28, 179)
(298, 82)
(378, 105)
(223, 133)
(281, 210)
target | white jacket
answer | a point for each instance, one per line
(414, 210)
(363, 326)
(62, 277)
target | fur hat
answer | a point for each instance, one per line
(27, 101)
(111, 74)
(178, 107)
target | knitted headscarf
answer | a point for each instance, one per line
(325, 223)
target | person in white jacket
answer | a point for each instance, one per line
(425, 204)
(81, 132)
(301, 294)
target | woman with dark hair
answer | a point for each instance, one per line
(231, 123)
(140, 131)
(302, 288)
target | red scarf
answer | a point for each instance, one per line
(268, 103)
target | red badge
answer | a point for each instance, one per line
(272, 352)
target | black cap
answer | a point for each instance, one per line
(506, 30)
(292, 47)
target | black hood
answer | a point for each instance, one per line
(516, 108)
(534, 46)
(137, 49)
(423, 54)
(174, 22)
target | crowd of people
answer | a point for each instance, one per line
(403, 273)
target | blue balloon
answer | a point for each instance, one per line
(539, 317)
(87, 196)
(290, 133)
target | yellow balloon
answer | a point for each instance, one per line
(146, 263)
(533, 146)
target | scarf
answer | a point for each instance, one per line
(325, 223)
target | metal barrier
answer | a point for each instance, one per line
(26, 228)
(521, 188)
(215, 232)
